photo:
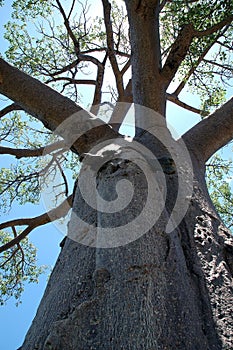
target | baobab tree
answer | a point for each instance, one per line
(147, 262)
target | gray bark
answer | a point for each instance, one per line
(146, 55)
(162, 291)
(212, 133)
(52, 109)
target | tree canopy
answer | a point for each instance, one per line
(87, 58)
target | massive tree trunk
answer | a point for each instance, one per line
(161, 291)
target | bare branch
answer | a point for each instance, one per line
(173, 98)
(71, 8)
(69, 30)
(11, 108)
(22, 152)
(214, 63)
(73, 81)
(98, 89)
(66, 68)
(192, 70)
(200, 59)
(126, 67)
(63, 176)
(212, 133)
(110, 45)
(32, 223)
(88, 58)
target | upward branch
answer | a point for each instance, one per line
(212, 133)
(147, 86)
(110, 45)
(181, 46)
(69, 30)
(178, 52)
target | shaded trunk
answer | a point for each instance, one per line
(161, 291)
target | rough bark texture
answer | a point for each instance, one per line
(52, 108)
(202, 139)
(162, 291)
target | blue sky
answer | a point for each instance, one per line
(16, 320)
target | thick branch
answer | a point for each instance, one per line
(22, 152)
(212, 133)
(200, 59)
(32, 223)
(121, 109)
(146, 55)
(178, 52)
(51, 108)
(181, 46)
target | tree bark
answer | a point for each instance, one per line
(146, 55)
(53, 109)
(212, 133)
(161, 291)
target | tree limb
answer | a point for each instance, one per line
(110, 45)
(214, 28)
(32, 223)
(23, 152)
(65, 69)
(178, 52)
(214, 63)
(11, 108)
(212, 133)
(98, 87)
(73, 81)
(126, 67)
(173, 98)
(51, 108)
(191, 71)
(146, 62)
(181, 45)
(69, 30)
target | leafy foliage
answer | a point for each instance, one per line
(219, 180)
(18, 266)
(208, 66)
